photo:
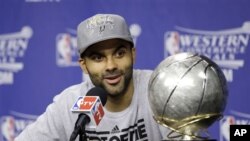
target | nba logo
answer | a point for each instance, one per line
(63, 49)
(84, 103)
(66, 50)
(77, 104)
(171, 43)
(225, 127)
(98, 112)
(7, 128)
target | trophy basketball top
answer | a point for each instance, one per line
(187, 93)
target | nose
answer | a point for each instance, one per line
(111, 64)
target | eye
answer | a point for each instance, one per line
(121, 52)
(96, 57)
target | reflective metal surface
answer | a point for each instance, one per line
(187, 93)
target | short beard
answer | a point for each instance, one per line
(127, 80)
(128, 74)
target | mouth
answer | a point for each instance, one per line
(113, 79)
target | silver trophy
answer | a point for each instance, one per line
(187, 93)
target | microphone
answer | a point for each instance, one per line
(91, 110)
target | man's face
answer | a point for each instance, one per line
(110, 65)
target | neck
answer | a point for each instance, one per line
(121, 102)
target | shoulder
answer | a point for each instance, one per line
(142, 72)
(141, 80)
(71, 93)
(142, 75)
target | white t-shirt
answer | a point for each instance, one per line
(135, 123)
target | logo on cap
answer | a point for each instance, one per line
(101, 22)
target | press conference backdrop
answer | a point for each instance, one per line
(38, 55)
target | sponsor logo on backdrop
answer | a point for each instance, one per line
(236, 118)
(66, 49)
(13, 47)
(12, 125)
(66, 46)
(225, 47)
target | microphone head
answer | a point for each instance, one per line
(98, 91)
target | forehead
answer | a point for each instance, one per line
(107, 44)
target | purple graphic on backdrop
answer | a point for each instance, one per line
(13, 47)
(222, 46)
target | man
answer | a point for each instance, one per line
(107, 55)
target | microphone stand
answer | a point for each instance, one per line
(79, 128)
(82, 136)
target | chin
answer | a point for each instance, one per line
(114, 90)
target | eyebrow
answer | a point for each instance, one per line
(89, 54)
(120, 46)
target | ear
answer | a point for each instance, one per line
(133, 54)
(82, 64)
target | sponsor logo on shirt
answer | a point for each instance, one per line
(115, 130)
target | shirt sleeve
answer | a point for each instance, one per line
(48, 127)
